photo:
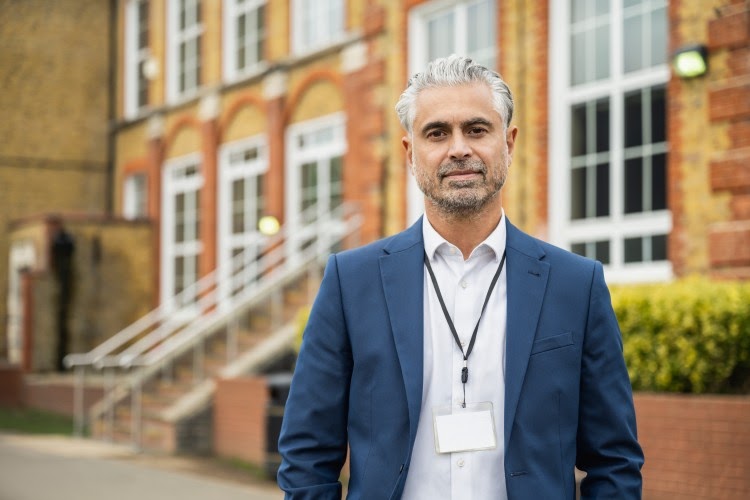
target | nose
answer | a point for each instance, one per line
(459, 147)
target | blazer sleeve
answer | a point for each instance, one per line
(608, 449)
(313, 439)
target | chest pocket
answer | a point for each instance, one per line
(553, 342)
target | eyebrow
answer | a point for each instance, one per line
(440, 124)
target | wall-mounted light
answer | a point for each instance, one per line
(690, 61)
(268, 225)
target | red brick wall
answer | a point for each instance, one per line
(696, 447)
(58, 397)
(11, 386)
(239, 419)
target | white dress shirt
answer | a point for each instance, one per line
(463, 285)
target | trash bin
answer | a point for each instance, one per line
(278, 391)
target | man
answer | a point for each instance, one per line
(460, 359)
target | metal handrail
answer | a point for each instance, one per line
(166, 310)
(170, 339)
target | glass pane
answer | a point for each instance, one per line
(480, 32)
(238, 206)
(578, 10)
(630, 3)
(602, 7)
(578, 130)
(602, 190)
(578, 193)
(602, 251)
(658, 114)
(578, 59)
(633, 119)
(633, 185)
(579, 248)
(633, 250)
(633, 44)
(602, 125)
(179, 274)
(440, 36)
(659, 40)
(601, 50)
(336, 182)
(260, 204)
(659, 182)
(659, 247)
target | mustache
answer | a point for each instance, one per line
(476, 166)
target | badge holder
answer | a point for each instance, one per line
(464, 429)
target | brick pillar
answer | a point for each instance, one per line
(27, 327)
(155, 162)
(363, 164)
(729, 109)
(274, 91)
(209, 112)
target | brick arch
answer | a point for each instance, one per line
(242, 102)
(317, 76)
(182, 123)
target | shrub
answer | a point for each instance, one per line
(690, 336)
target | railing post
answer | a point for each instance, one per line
(135, 411)
(109, 377)
(79, 408)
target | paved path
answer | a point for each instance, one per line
(62, 468)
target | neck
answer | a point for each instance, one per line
(466, 232)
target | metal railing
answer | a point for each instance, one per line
(212, 304)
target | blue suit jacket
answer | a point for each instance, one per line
(358, 379)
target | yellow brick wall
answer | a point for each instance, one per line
(54, 101)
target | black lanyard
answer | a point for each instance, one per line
(465, 369)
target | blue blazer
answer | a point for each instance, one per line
(358, 379)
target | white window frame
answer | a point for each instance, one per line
(618, 225)
(171, 186)
(296, 157)
(175, 37)
(325, 34)
(418, 55)
(135, 196)
(231, 12)
(135, 58)
(229, 173)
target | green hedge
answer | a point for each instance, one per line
(688, 336)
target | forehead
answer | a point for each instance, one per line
(455, 103)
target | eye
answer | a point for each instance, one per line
(475, 131)
(436, 134)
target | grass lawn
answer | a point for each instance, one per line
(29, 421)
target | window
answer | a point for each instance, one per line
(134, 198)
(137, 55)
(608, 196)
(185, 31)
(315, 172)
(244, 37)
(181, 243)
(439, 29)
(316, 24)
(242, 198)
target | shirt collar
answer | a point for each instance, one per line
(494, 243)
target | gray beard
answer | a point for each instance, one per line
(463, 204)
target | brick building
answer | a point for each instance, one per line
(54, 133)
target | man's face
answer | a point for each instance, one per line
(459, 150)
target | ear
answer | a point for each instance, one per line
(407, 144)
(510, 139)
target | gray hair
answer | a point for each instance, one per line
(452, 71)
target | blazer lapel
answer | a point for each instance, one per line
(402, 273)
(526, 281)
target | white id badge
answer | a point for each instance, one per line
(464, 429)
